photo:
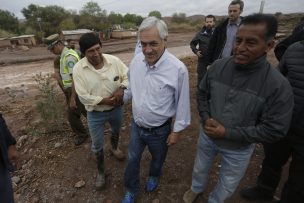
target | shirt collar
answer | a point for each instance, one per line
(237, 23)
(106, 62)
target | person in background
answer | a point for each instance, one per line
(8, 161)
(199, 46)
(296, 35)
(63, 72)
(159, 88)
(223, 37)
(242, 100)
(99, 82)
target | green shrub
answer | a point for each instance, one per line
(49, 107)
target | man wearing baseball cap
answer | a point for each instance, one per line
(66, 59)
(99, 82)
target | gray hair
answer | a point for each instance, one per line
(153, 21)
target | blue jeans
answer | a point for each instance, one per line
(233, 167)
(140, 138)
(96, 122)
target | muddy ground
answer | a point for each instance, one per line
(51, 165)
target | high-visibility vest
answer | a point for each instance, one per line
(64, 69)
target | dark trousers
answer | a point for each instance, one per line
(201, 70)
(155, 139)
(74, 115)
(293, 191)
(276, 156)
(6, 190)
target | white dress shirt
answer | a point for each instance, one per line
(159, 92)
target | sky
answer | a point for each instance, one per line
(166, 7)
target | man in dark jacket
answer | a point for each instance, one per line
(296, 35)
(223, 37)
(292, 66)
(8, 160)
(277, 154)
(201, 40)
(242, 100)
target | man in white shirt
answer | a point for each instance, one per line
(99, 82)
(159, 88)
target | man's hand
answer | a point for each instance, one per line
(111, 101)
(214, 129)
(173, 138)
(199, 54)
(13, 155)
(118, 95)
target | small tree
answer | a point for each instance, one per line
(179, 18)
(8, 21)
(157, 14)
(49, 107)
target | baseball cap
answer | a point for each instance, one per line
(52, 40)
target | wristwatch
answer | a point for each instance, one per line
(123, 87)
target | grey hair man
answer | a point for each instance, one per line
(159, 88)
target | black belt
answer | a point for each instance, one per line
(168, 122)
(104, 110)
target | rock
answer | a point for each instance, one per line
(57, 145)
(22, 140)
(34, 199)
(155, 201)
(79, 184)
(87, 146)
(23, 48)
(16, 179)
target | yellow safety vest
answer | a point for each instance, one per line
(64, 69)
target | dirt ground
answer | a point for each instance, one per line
(51, 165)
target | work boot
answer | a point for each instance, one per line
(256, 193)
(80, 139)
(190, 196)
(118, 154)
(100, 179)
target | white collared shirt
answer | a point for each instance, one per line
(93, 85)
(159, 92)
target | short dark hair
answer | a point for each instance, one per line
(240, 2)
(88, 40)
(270, 22)
(210, 16)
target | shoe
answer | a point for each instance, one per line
(190, 196)
(256, 194)
(100, 181)
(128, 198)
(151, 184)
(79, 140)
(118, 154)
